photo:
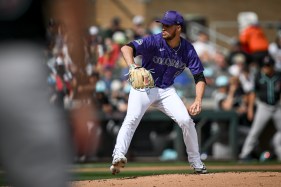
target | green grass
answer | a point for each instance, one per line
(123, 174)
(176, 163)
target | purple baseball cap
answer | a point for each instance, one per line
(171, 17)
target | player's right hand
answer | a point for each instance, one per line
(195, 108)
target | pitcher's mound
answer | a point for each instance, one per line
(249, 179)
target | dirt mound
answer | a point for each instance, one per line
(248, 179)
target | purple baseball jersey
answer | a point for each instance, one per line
(165, 62)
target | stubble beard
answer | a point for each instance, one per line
(169, 37)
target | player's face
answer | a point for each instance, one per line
(169, 32)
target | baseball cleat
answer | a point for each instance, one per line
(114, 170)
(117, 163)
(199, 168)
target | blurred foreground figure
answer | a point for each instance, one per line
(33, 136)
(34, 147)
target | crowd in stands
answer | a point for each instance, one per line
(230, 77)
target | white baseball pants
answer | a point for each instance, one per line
(167, 101)
(263, 114)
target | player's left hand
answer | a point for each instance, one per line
(195, 108)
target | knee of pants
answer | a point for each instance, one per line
(185, 122)
(132, 121)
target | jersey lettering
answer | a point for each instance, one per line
(169, 62)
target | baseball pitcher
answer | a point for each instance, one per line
(164, 57)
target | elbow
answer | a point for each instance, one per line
(126, 49)
(129, 48)
(123, 49)
(199, 78)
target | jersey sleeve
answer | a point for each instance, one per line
(141, 45)
(194, 62)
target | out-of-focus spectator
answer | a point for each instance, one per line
(115, 26)
(221, 83)
(110, 56)
(220, 148)
(253, 38)
(219, 65)
(62, 84)
(101, 98)
(240, 69)
(58, 40)
(154, 27)
(275, 50)
(238, 65)
(117, 97)
(236, 48)
(204, 48)
(107, 77)
(267, 94)
(235, 99)
(93, 48)
(119, 38)
(210, 80)
(139, 28)
(230, 96)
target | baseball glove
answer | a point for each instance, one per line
(140, 78)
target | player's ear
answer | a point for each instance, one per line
(179, 27)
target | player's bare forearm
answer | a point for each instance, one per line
(200, 89)
(127, 53)
(196, 106)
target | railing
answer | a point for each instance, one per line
(217, 37)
